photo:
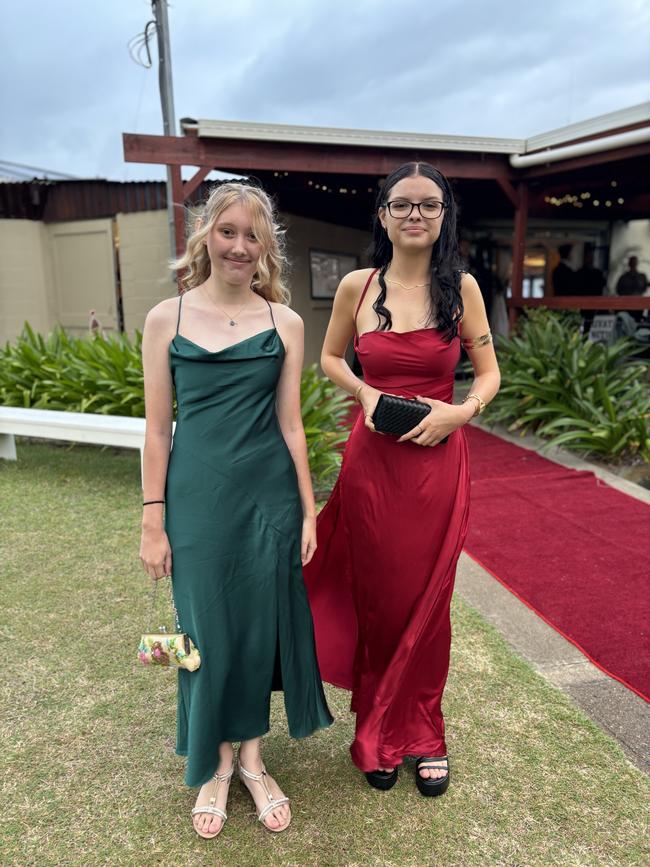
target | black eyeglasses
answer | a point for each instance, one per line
(430, 209)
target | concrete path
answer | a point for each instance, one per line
(616, 709)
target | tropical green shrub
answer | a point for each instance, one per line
(95, 374)
(104, 375)
(590, 398)
(325, 410)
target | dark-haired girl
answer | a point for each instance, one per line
(389, 538)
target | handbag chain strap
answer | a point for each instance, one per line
(152, 608)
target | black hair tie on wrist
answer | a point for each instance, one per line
(151, 502)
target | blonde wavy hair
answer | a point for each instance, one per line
(269, 279)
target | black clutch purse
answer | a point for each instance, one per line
(398, 415)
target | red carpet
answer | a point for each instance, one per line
(571, 547)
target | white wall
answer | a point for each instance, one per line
(144, 253)
(57, 273)
(84, 273)
(26, 287)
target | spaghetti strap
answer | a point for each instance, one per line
(178, 320)
(271, 312)
(363, 295)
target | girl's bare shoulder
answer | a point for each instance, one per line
(353, 284)
(286, 317)
(164, 310)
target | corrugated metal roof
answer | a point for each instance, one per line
(210, 128)
(79, 200)
(353, 137)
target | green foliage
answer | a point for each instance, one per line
(324, 412)
(77, 374)
(590, 398)
(104, 375)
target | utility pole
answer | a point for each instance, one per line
(159, 8)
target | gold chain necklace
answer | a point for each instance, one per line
(232, 319)
(408, 288)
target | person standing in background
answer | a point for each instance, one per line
(589, 280)
(633, 281)
(563, 273)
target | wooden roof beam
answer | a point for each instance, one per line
(245, 155)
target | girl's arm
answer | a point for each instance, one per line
(292, 333)
(487, 377)
(155, 551)
(340, 332)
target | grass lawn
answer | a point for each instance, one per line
(90, 776)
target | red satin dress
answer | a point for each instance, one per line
(389, 537)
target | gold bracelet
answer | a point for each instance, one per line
(480, 403)
(358, 392)
(475, 342)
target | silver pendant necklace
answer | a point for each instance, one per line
(232, 320)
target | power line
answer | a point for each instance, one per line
(23, 169)
(139, 45)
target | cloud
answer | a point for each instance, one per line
(472, 68)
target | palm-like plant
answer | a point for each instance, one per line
(104, 375)
(589, 397)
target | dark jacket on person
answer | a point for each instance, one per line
(563, 279)
(631, 283)
(589, 281)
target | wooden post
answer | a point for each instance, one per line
(519, 248)
(178, 195)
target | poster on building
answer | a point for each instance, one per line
(326, 270)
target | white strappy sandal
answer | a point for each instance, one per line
(210, 806)
(272, 804)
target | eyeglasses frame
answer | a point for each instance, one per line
(443, 206)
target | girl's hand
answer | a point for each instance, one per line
(369, 398)
(308, 544)
(443, 419)
(156, 553)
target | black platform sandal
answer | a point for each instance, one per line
(382, 779)
(429, 786)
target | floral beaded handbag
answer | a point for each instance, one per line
(168, 648)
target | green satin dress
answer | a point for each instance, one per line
(234, 522)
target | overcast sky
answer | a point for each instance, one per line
(468, 67)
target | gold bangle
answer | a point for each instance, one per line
(480, 403)
(475, 342)
(358, 392)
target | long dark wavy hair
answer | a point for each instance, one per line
(446, 307)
